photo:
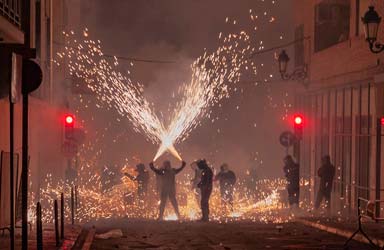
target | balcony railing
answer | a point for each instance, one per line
(11, 10)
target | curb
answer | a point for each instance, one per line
(89, 239)
(340, 232)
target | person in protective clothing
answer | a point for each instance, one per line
(227, 180)
(292, 174)
(326, 173)
(168, 185)
(205, 186)
(142, 179)
(196, 179)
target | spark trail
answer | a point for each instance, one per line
(213, 77)
(210, 82)
(85, 61)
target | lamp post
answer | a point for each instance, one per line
(371, 21)
(298, 73)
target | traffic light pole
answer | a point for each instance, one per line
(296, 151)
(26, 26)
(24, 175)
(296, 155)
(11, 171)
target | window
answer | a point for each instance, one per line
(347, 145)
(11, 10)
(331, 23)
(363, 142)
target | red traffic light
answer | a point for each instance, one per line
(382, 121)
(298, 126)
(69, 120)
(298, 120)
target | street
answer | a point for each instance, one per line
(199, 235)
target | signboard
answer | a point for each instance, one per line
(17, 64)
(11, 69)
(287, 139)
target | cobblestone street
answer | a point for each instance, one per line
(236, 235)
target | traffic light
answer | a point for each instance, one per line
(69, 122)
(298, 126)
(73, 136)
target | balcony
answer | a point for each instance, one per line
(11, 10)
(10, 21)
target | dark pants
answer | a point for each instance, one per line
(321, 194)
(293, 195)
(171, 194)
(205, 194)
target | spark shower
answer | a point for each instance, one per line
(213, 76)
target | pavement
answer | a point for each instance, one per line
(215, 235)
(71, 233)
(303, 233)
(346, 227)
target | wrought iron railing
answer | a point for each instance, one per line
(11, 10)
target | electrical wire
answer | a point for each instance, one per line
(125, 58)
(279, 47)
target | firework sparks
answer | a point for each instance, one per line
(120, 201)
(113, 89)
(210, 82)
(167, 145)
(213, 77)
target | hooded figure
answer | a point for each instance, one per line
(292, 174)
(195, 181)
(205, 186)
(142, 179)
(326, 173)
(168, 185)
(227, 180)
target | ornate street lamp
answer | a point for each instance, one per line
(298, 74)
(371, 21)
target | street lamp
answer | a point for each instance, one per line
(371, 21)
(298, 74)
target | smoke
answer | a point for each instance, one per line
(246, 127)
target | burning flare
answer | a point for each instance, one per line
(167, 146)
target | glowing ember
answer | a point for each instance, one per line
(171, 217)
(120, 201)
(167, 146)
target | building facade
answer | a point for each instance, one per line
(342, 99)
(46, 111)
